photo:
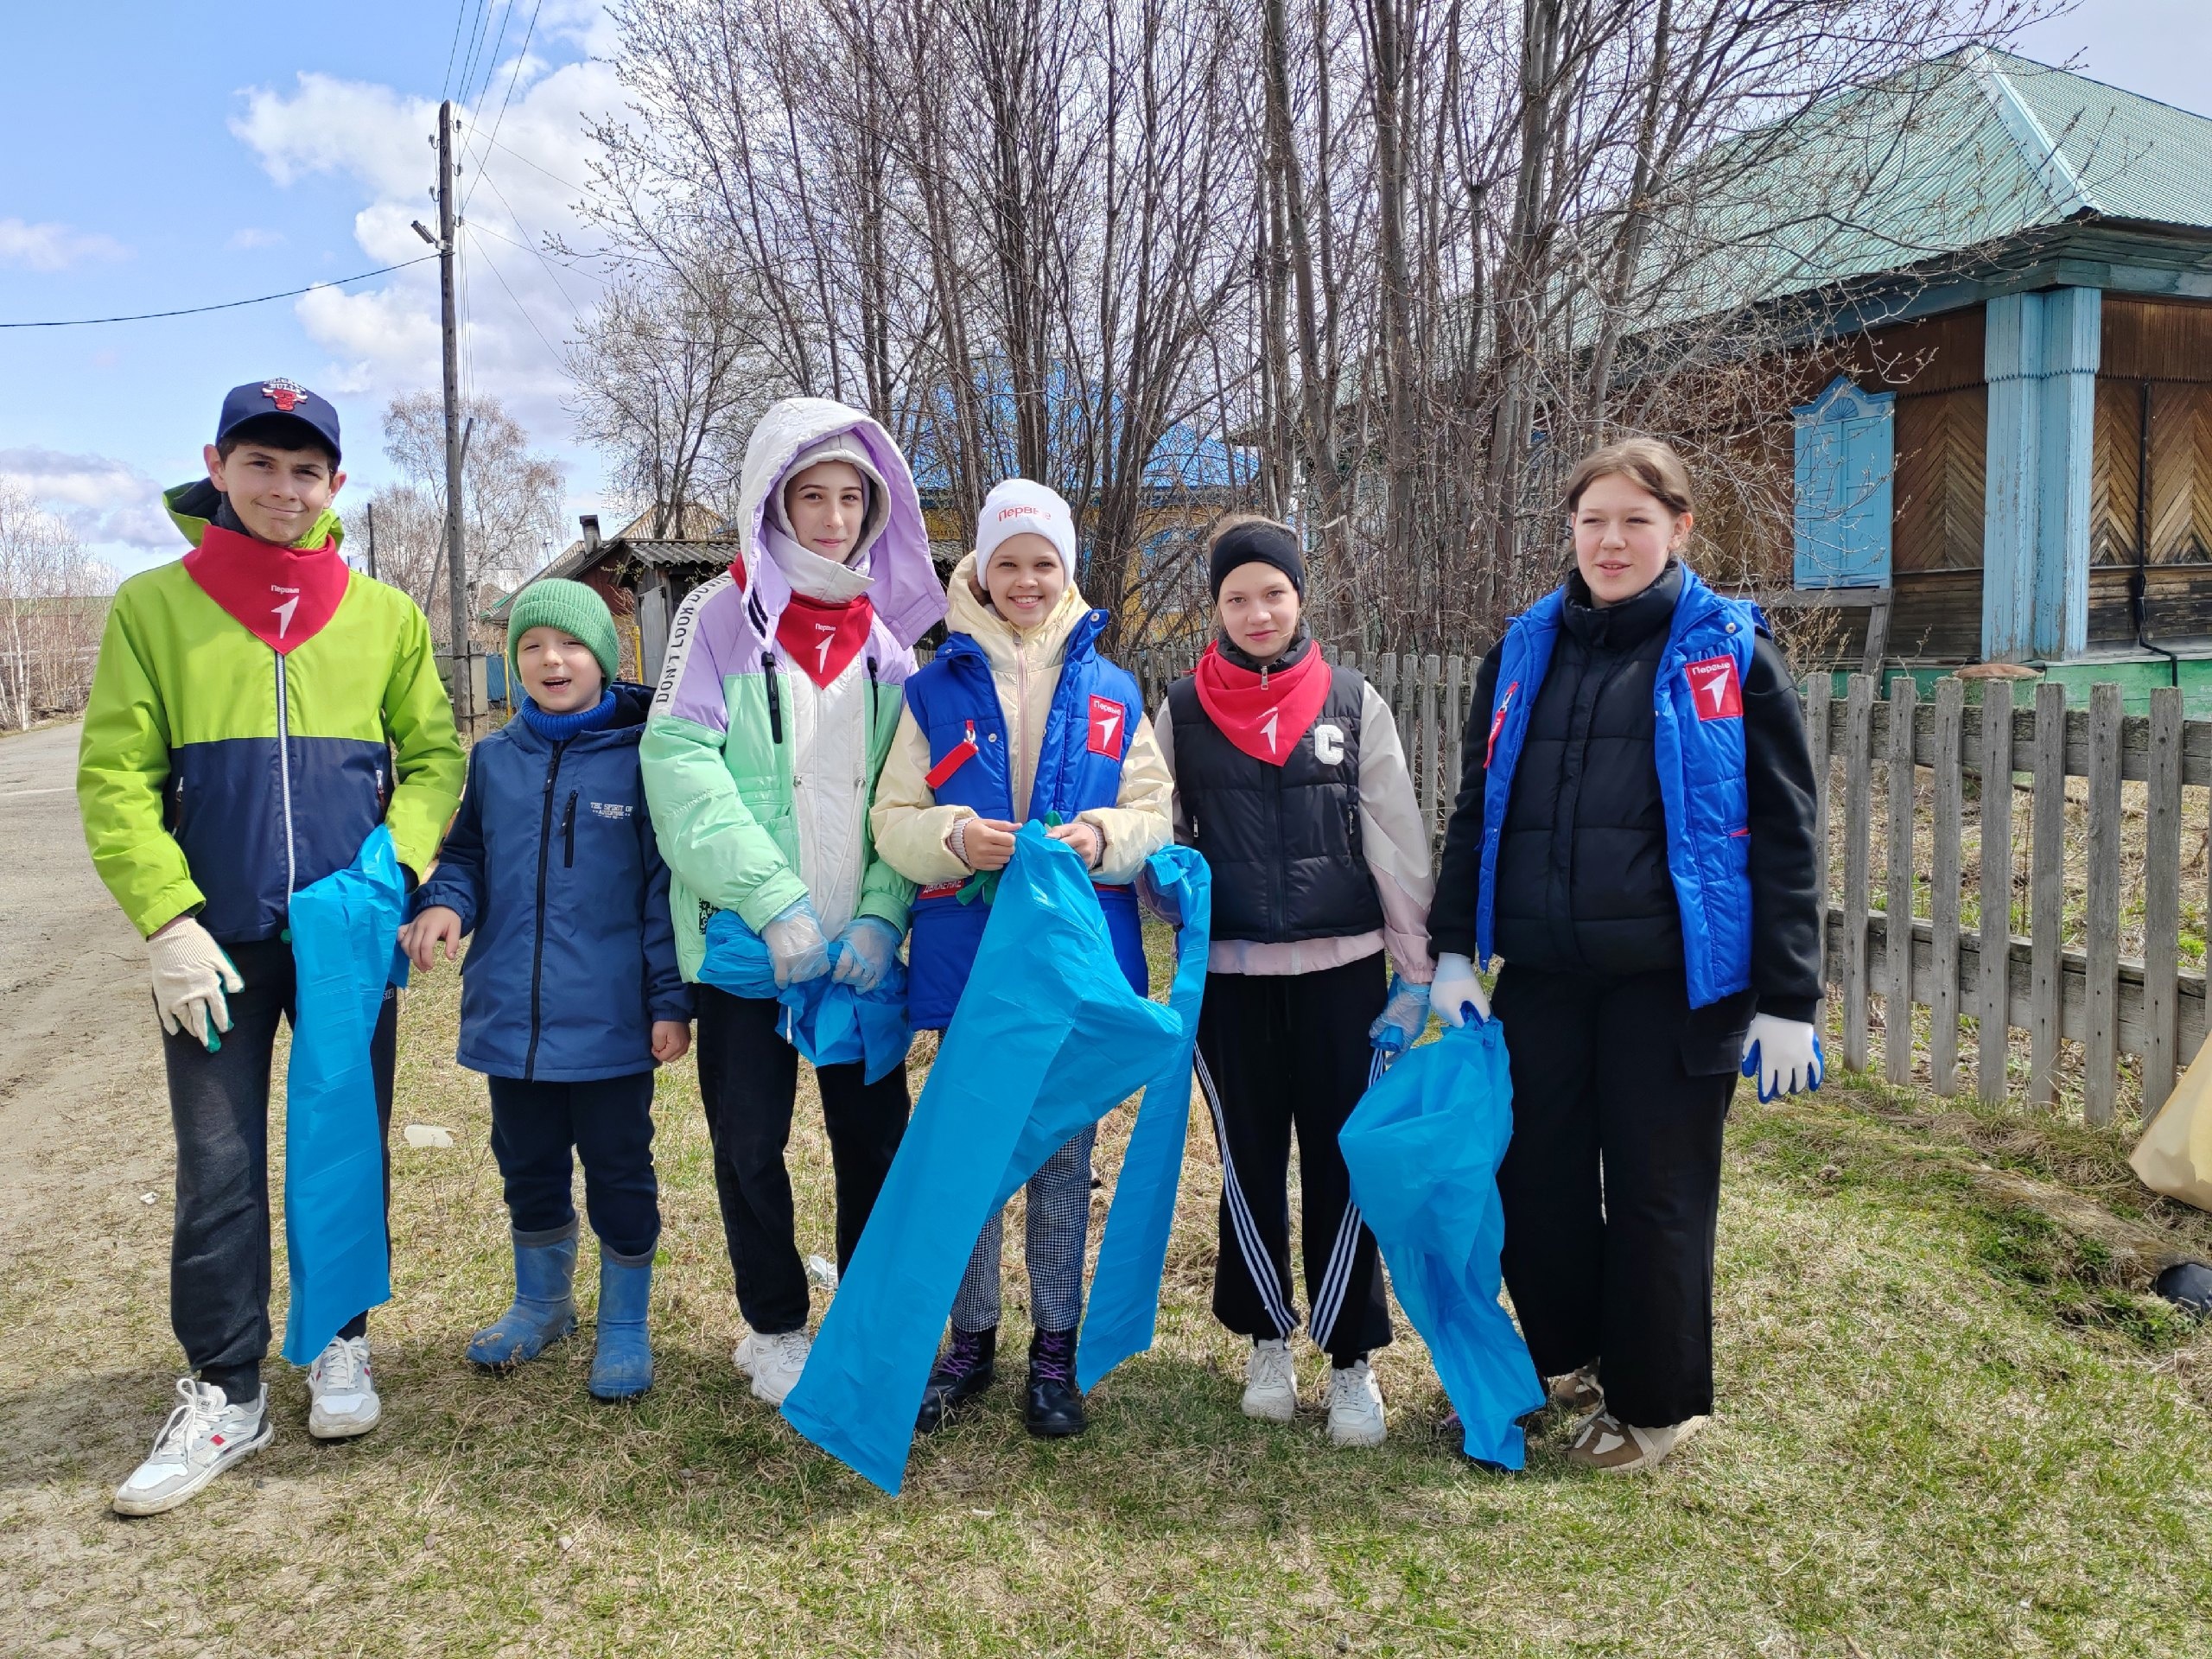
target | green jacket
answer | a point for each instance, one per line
(217, 776)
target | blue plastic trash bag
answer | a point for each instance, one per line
(1423, 1147)
(345, 937)
(829, 1023)
(1047, 1038)
(1124, 1304)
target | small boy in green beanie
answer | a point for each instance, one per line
(571, 994)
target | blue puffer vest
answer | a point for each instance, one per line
(1078, 767)
(1698, 748)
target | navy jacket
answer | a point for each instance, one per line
(553, 867)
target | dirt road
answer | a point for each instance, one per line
(77, 1042)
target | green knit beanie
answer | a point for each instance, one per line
(575, 610)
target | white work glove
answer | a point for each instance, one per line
(796, 946)
(864, 952)
(1404, 1017)
(1784, 1055)
(1455, 986)
(190, 975)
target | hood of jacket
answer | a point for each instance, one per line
(905, 592)
(191, 507)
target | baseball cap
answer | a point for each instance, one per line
(259, 399)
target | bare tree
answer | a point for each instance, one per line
(1397, 262)
(52, 604)
(511, 507)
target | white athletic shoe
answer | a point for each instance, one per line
(774, 1363)
(1355, 1406)
(203, 1436)
(342, 1392)
(1270, 1382)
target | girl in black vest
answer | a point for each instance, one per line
(1290, 778)
(1631, 994)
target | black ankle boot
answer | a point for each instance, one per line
(963, 1371)
(1054, 1409)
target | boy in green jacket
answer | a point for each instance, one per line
(256, 710)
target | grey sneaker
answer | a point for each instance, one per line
(774, 1363)
(1270, 1382)
(342, 1393)
(203, 1436)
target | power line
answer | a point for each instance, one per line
(227, 305)
(529, 34)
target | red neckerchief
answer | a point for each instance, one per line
(280, 595)
(1263, 714)
(823, 639)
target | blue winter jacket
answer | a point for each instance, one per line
(553, 867)
(1698, 748)
(954, 701)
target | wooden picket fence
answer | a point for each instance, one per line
(1899, 756)
(1913, 769)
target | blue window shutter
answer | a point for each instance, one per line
(1846, 466)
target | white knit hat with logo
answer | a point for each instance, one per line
(1019, 507)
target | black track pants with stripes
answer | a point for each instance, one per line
(1279, 1052)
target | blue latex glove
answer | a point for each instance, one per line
(1404, 1017)
(1784, 1055)
(796, 946)
(864, 953)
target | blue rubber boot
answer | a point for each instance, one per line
(622, 1367)
(545, 1308)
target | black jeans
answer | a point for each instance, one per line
(1279, 1052)
(1611, 1186)
(749, 1078)
(610, 1124)
(218, 1256)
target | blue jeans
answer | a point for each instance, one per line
(219, 1104)
(1058, 1229)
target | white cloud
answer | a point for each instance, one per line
(254, 237)
(521, 176)
(108, 503)
(54, 247)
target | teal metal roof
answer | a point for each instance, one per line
(2131, 156)
(1965, 151)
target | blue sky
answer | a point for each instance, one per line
(167, 155)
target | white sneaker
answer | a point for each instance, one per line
(1355, 1406)
(203, 1436)
(342, 1392)
(1270, 1382)
(773, 1363)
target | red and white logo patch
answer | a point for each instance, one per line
(1714, 690)
(1497, 723)
(285, 394)
(1108, 727)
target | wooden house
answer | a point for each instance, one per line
(2015, 463)
(643, 578)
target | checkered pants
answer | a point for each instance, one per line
(1059, 1228)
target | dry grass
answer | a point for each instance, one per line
(1921, 1448)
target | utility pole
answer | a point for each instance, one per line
(456, 568)
(373, 541)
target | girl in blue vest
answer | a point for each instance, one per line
(1633, 835)
(1018, 718)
